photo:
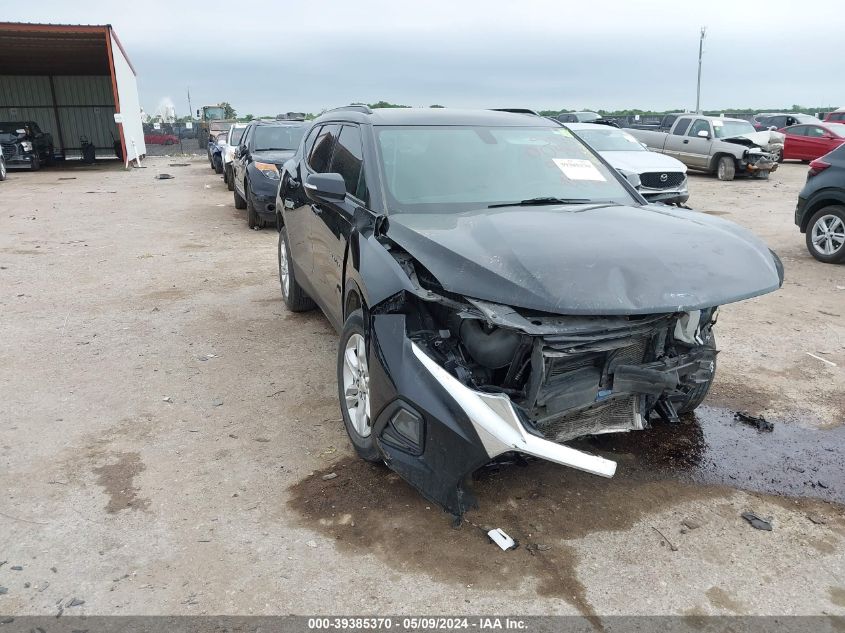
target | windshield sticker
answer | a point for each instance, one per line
(578, 169)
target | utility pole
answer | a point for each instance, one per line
(191, 110)
(698, 85)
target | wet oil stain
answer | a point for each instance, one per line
(118, 481)
(837, 596)
(368, 509)
(710, 447)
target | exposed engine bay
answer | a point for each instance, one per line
(567, 376)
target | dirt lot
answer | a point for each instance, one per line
(166, 425)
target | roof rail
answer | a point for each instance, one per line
(357, 107)
(516, 111)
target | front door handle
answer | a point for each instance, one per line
(317, 210)
(686, 141)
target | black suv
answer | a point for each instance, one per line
(499, 288)
(820, 213)
(25, 145)
(264, 147)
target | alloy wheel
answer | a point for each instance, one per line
(284, 275)
(356, 384)
(828, 235)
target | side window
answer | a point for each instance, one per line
(348, 159)
(781, 121)
(247, 135)
(798, 130)
(321, 153)
(698, 126)
(681, 127)
(815, 131)
(308, 143)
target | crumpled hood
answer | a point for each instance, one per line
(643, 162)
(592, 261)
(763, 139)
(277, 157)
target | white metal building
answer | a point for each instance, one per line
(71, 80)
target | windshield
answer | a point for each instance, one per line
(12, 128)
(460, 168)
(586, 117)
(611, 140)
(235, 135)
(281, 137)
(729, 129)
(837, 128)
(214, 113)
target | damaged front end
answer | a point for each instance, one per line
(763, 153)
(456, 381)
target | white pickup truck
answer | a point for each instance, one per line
(717, 145)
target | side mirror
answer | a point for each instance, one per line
(325, 186)
(703, 134)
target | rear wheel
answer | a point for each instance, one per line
(294, 296)
(353, 384)
(228, 178)
(218, 164)
(726, 168)
(240, 203)
(826, 235)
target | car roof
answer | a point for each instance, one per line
(278, 122)
(715, 118)
(591, 126)
(435, 116)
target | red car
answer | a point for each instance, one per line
(837, 116)
(160, 138)
(809, 142)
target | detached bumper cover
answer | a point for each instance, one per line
(463, 429)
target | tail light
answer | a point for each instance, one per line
(816, 167)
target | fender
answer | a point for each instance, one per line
(818, 200)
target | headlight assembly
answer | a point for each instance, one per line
(26, 146)
(268, 169)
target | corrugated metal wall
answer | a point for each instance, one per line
(85, 105)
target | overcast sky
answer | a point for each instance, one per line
(271, 57)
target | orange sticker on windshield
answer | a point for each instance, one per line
(578, 169)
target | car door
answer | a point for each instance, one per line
(675, 144)
(240, 161)
(697, 147)
(297, 208)
(331, 222)
(818, 142)
(793, 144)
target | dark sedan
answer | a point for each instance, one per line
(263, 149)
(498, 288)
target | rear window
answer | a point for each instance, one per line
(838, 129)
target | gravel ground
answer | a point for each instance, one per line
(166, 425)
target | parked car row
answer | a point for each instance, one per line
(499, 281)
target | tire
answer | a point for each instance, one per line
(253, 220)
(240, 203)
(726, 168)
(50, 160)
(229, 178)
(352, 372)
(696, 395)
(218, 164)
(825, 235)
(294, 296)
(36, 163)
(779, 156)
(3, 172)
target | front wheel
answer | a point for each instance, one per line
(252, 218)
(353, 385)
(229, 178)
(726, 168)
(826, 235)
(695, 396)
(240, 203)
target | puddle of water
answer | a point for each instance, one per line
(368, 509)
(710, 447)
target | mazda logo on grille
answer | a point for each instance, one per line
(664, 177)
